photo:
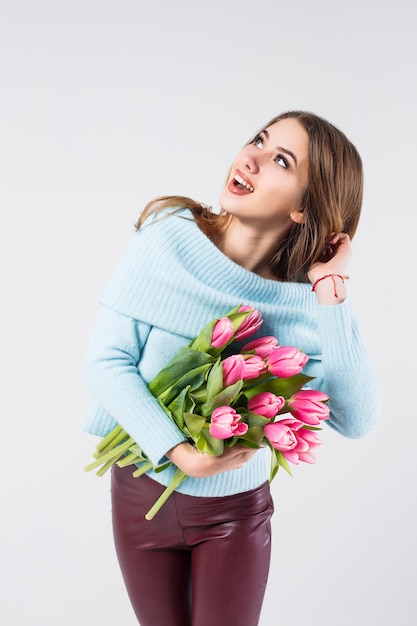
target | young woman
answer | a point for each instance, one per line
(281, 243)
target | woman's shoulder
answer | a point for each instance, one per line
(166, 222)
(165, 240)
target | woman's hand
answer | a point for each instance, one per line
(340, 248)
(198, 465)
(332, 290)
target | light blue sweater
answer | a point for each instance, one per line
(170, 282)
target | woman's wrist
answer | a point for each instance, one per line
(178, 451)
(330, 288)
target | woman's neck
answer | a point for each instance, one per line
(246, 246)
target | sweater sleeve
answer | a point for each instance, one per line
(111, 374)
(349, 378)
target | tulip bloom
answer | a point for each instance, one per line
(233, 368)
(286, 361)
(263, 346)
(222, 333)
(254, 366)
(225, 423)
(308, 405)
(307, 440)
(293, 440)
(251, 324)
(266, 404)
(236, 367)
(281, 436)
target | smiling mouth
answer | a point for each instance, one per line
(241, 183)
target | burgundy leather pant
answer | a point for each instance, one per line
(200, 561)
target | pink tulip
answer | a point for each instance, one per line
(251, 324)
(222, 333)
(310, 438)
(225, 423)
(263, 346)
(233, 368)
(266, 404)
(286, 361)
(306, 441)
(308, 405)
(237, 367)
(282, 435)
(254, 366)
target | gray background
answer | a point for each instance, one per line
(107, 104)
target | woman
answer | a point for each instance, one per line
(281, 243)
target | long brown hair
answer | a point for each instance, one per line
(332, 201)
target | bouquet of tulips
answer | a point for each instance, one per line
(255, 396)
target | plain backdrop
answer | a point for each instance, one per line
(107, 104)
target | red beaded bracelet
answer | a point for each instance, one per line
(334, 282)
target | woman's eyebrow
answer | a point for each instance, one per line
(281, 148)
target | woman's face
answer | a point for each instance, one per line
(269, 177)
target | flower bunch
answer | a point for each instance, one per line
(256, 396)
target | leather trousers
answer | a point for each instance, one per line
(200, 561)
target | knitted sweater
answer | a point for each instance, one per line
(170, 282)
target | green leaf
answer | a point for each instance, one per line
(274, 466)
(253, 419)
(285, 387)
(224, 398)
(161, 468)
(256, 424)
(214, 380)
(237, 317)
(283, 461)
(194, 378)
(199, 395)
(194, 423)
(213, 446)
(184, 362)
(202, 342)
(201, 444)
(181, 404)
(248, 442)
(255, 434)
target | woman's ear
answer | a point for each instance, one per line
(298, 216)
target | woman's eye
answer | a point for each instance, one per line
(258, 142)
(282, 161)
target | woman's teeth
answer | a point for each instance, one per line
(242, 182)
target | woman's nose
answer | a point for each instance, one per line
(251, 159)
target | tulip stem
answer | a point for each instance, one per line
(176, 480)
(108, 438)
(129, 459)
(142, 469)
(118, 439)
(105, 467)
(113, 455)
